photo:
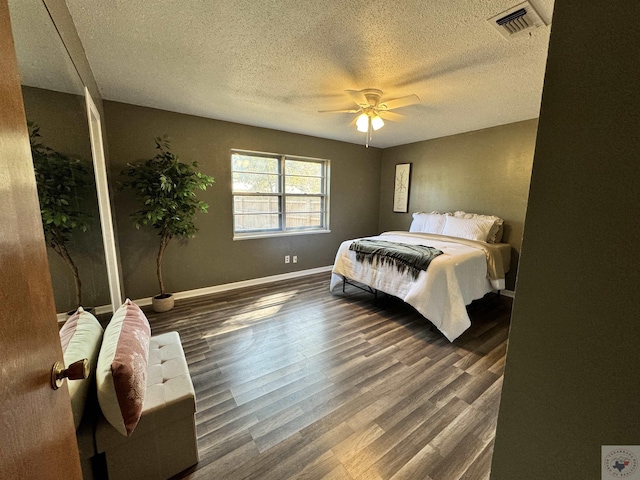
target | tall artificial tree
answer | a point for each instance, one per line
(63, 185)
(166, 189)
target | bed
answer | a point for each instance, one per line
(471, 265)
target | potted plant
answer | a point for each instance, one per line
(166, 189)
(63, 184)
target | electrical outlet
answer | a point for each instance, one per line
(295, 259)
(287, 259)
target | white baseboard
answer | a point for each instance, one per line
(235, 285)
(62, 317)
(217, 288)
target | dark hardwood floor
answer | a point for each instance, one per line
(295, 382)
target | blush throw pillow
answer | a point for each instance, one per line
(122, 367)
(80, 336)
(469, 228)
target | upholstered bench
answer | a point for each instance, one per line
(163, 441)
(152, 450)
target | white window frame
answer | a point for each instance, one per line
(282, 195)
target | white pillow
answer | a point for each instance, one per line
(80, 336)
(427, 223)
(495, 234)
(469, 228)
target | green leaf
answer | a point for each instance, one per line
(166, 189)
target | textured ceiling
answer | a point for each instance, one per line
(43, 60)
(275, 63)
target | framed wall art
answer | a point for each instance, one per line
(401, 188)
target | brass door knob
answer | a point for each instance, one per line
(76, 371)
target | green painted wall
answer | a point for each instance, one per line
(573, 367)
(458, 172)
(486, 171)
(212, 257)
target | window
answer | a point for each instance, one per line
(278, 194)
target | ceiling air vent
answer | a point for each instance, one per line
(517, 20)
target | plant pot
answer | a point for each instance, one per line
(162, 303)
(71, 312)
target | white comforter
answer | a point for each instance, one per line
(441, 293)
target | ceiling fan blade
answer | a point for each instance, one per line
(400, 102)
(358, 97)
(339, 111)
(394, 117)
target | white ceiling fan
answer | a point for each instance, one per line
(372, 111)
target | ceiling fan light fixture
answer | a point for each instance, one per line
(362, 123)
(370, 108)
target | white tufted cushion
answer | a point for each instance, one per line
(170, 394)
(168, 379)
(164, 442)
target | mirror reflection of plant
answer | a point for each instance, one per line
(63, 185)
(166, 188)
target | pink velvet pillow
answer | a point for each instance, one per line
(122, 367)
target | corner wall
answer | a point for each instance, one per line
(573, 369)
(212, 257)
(486, 171)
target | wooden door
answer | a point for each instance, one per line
(38, 435)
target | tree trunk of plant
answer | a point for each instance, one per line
(164, 241)
(61, 250)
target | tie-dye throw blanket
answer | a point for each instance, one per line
(411, 258)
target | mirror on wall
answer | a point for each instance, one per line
(56, 112)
